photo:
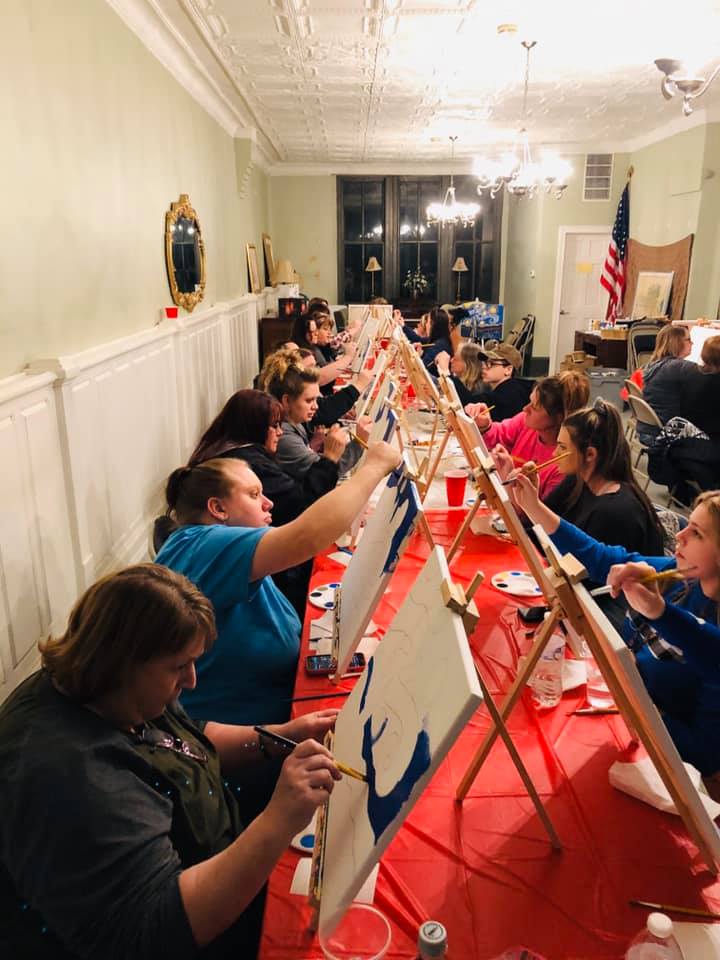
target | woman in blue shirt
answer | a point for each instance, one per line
(675, 638)
(226, 546)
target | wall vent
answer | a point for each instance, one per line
(598, 176)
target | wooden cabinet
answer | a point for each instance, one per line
(609, 353)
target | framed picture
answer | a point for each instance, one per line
(652, 294)
(269, 261)
(253, 272)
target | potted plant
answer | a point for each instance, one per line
(415, 283)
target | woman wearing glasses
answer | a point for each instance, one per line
(118, 836)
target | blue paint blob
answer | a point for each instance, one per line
(308, 841)
(405, 498)
(368, 677)
(383, 810)
(516, 573)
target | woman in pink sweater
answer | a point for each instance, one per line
(532, 434)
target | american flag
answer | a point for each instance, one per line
(613, 275)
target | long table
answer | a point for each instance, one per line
(485, 869)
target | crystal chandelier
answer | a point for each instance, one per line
(677, 79)
(516, 169)
(451, 210)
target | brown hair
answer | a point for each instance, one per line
(471, 356)
(188, 489)
(561, 395)
(246, 418)
(284, 373)
(600, 427)
(710, 354)
(123, 620)
(669, 342)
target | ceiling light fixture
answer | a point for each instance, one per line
(516, 169)
(451, 210)
(678, 79)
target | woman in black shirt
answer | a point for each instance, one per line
(599, 493)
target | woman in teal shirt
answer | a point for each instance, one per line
(226, 546)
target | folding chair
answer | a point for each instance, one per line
(633, 391)
(641, 342)
(642, 412)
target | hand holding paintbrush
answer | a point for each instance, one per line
(641, 585)
(530, 467)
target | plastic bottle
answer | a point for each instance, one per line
(546, 679)
(432, 940)
(656, 941)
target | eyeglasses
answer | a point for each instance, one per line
(277, 425)
(497, 363)
(166, 741)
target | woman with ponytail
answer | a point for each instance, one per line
(224, 544)
(599, 493)
(532, 434)
(674, 636)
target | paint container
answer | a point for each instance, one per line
(455, 482)
(362, 934)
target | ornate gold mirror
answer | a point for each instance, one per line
(184, 254)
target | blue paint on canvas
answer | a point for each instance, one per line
(383, 810)
(405, 499)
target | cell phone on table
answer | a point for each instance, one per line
(322, 665)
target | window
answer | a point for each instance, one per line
(598, 176)
(384, 217)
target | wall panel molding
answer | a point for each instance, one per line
(87, 441)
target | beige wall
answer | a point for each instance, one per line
(99, 139)
(303, 225)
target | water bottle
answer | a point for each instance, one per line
(597, 692)
(546, 679)
(432, 940)
(656, 941)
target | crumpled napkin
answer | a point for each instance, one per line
(642, 781)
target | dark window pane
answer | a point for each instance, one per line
(408, 222)
(430, 192)
(428, 267)
(487, 234)
(484, 284)
(373, 203)
(354, 273)
(408, 263)
(352, 209)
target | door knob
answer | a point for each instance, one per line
(563, 313)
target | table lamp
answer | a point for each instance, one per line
(372, 268)
(459, 267)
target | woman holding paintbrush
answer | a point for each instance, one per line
(674, 633)
(533, 433)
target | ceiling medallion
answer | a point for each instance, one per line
(516, 170)
(452, 210)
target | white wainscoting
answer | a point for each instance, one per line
(87, 442)
(37, 574)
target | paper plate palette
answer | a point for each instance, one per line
(323, 596)
(304, 841)
(518, 583)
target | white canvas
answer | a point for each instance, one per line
(385, 536)
(365, 340)
(364, 402)
(406, 711)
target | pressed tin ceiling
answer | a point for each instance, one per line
(385, 81)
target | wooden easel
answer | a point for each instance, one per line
(573, 603)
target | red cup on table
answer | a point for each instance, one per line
(455, 481)
(171, 313)
(410, 391)
(384, 342)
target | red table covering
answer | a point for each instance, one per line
(485, 869)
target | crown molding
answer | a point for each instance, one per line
(160, 34)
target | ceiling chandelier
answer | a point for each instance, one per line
(516, 169)
(677, 79)
(451, 210)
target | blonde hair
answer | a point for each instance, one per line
(284, 373)
(711, 501)
(669, 342)
(471, 356)
(124, 620)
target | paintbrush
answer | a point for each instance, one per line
(289, 744)
(321, 696)
(359, 440)
(669, 908)
(540, 466)
(650, 578)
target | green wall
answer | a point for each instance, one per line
(99, 139)
(303, 225)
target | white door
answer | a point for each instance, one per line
(582, 299)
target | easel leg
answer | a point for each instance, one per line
(502, 732)
(511, 699)
(436, 462)
(469, 517)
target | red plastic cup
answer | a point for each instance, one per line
(410, 391)
(384, 342)
(171, 313)
(455, 481)
(370, 363)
